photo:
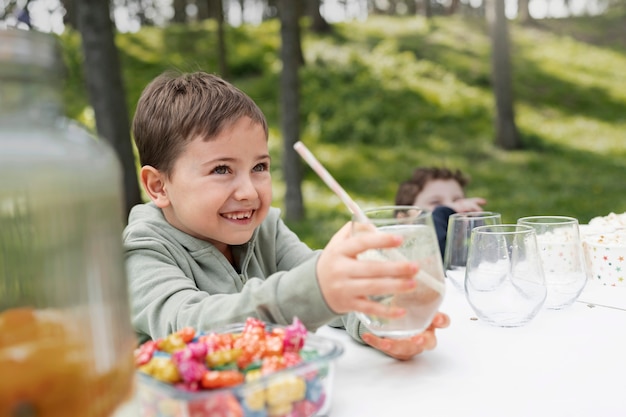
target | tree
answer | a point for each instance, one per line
(70, 18)
(506, 131)
(290, 107)
(454, 6)
(106, 90)
(318, 23)
(523, 12)
(427, 10)
(221, 41)
(180, 12)
(206, 9)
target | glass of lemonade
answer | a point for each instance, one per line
(419, 245)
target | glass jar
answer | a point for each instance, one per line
(66, 342)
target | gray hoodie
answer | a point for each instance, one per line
(176, 280)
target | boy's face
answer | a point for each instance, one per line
(439, 193)
(220, 190)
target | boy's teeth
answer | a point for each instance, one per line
(238, 216)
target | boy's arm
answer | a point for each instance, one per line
(172, 287)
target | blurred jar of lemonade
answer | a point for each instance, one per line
(66, 343)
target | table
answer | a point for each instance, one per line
(567, 363)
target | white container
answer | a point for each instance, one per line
(605, 254)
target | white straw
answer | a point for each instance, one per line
(329, 180)
(422, 276)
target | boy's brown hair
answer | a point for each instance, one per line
(409, 189)
(176, 108)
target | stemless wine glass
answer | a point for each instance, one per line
(419, 245)
(562, 257)
(460, 226)
(504, 282)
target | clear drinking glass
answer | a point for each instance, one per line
(504, 280)
(460, 227)
(562, 257)
(419, 245)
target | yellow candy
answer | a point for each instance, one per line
(253, 375)
(162, 369)
(285, 391)
(255, 396)
(255, 399)
(222, 357)
(171, 343)
(279, 410)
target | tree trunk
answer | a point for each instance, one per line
(506, 132)
(411, 7)
(106, 89)
(206, 9)
(454, 6)
(290, 107)
(70, 18)
(180, 11)
(318, 23)
(523, 13)
(242, 10)
(427, 10)
(221, 41)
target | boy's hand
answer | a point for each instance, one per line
(466, 205)
(346, 282)
(405, 349)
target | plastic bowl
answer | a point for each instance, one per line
(302, 390)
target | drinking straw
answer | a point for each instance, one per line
(330, 181)
(319, 169)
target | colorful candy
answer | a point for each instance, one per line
(221, 379)
(198, 362)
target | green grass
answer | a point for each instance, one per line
(384, 96)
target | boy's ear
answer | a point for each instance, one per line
(153, 182)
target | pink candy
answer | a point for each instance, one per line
(295, 334)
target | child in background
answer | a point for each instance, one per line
(208, 249)
(441, 191)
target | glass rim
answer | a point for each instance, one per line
(547, 220)
(477, 215)
(509, 228)
(390, 214)
(420, 211)
(393, 207)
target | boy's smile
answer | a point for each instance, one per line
(220, 189)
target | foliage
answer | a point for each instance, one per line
(383, 96)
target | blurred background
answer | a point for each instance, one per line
(527, 97)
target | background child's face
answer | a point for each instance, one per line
(439, 193)
(221, 190)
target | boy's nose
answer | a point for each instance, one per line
(245, 189)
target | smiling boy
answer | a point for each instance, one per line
(208, 249)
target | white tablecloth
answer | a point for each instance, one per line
(565, 363)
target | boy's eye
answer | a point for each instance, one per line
(264, 166)
(221, 170)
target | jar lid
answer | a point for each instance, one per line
(24, 53)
